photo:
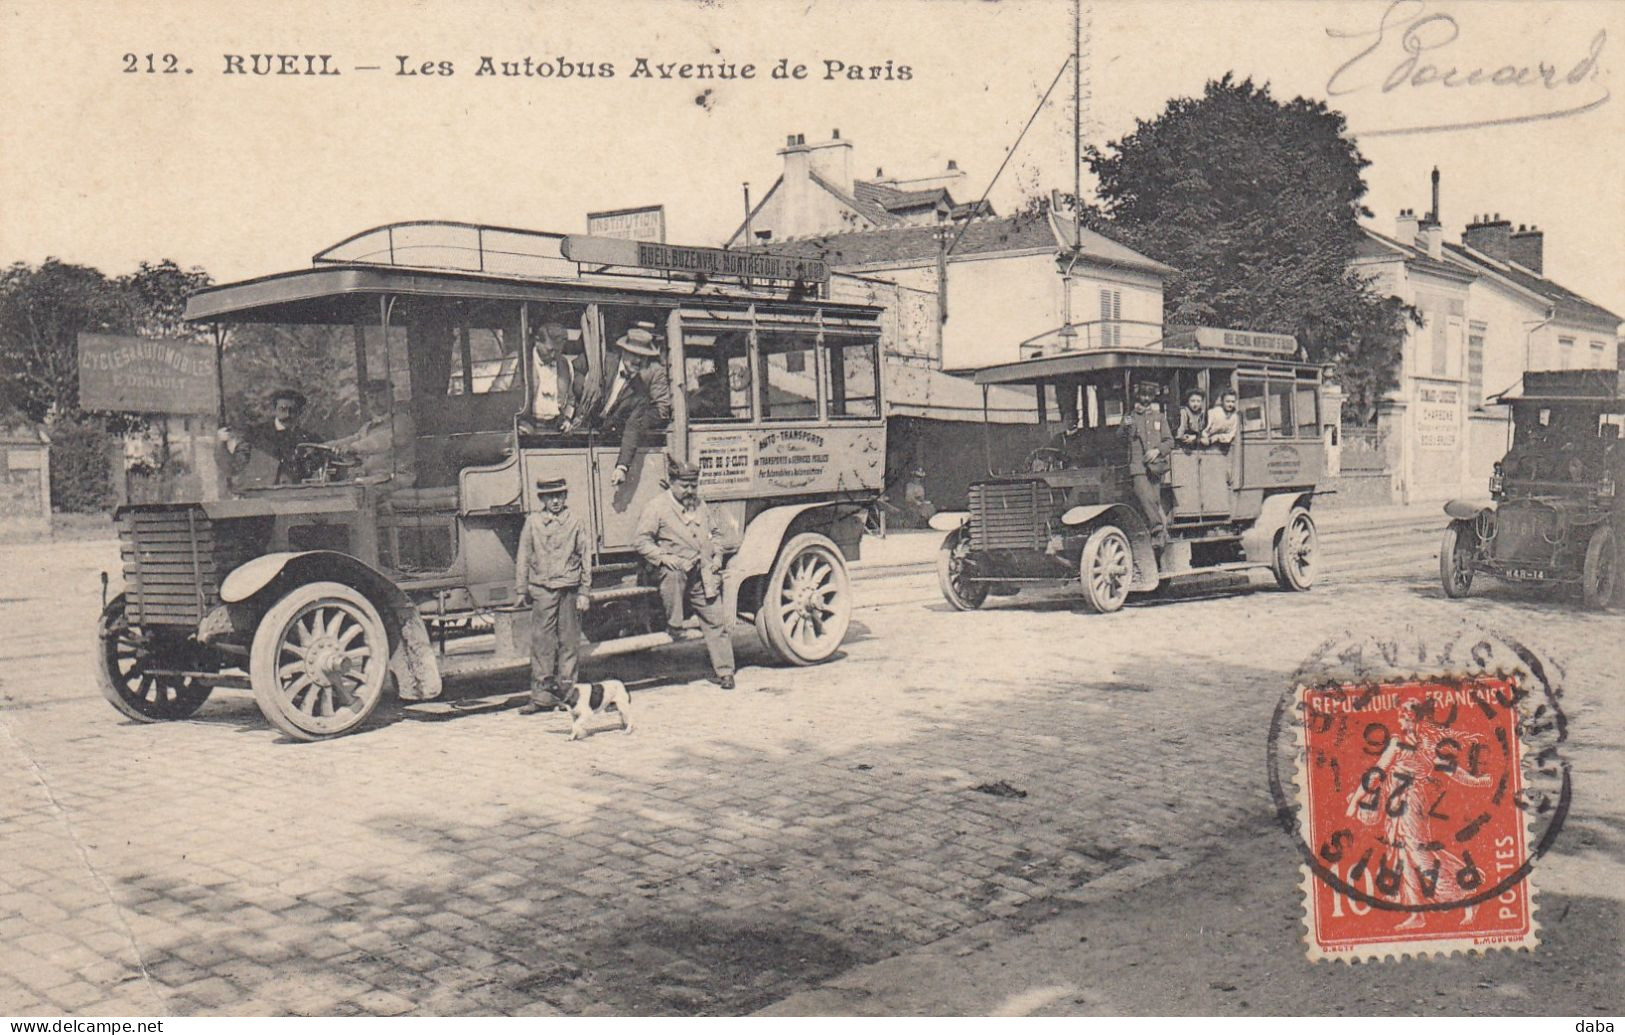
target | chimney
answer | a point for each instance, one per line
(1433, 216)
(1492, 237)
(832, 160)
(1433, 240)
(953, 166)
(1405, 227)
(1527, 249)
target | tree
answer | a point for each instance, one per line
(1256, 204)
(159, 292)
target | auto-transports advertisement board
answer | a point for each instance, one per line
(786, 461)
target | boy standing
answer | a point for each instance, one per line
(553, 572)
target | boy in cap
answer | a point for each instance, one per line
(553, 572)
(679, 537)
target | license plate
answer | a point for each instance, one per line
(1526, 574)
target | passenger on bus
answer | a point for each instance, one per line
(1192, 419)
(1223, 422)
(636, 395)
(556, 378)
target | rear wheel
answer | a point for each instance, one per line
(127, 652)
(954, 567)
(319, 660)
(1105, 569)
(1600, 579)
(1456, 559)
(807, 604)
(1295, 552)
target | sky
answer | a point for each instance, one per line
(247, 175)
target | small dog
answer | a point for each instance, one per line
(586, 699)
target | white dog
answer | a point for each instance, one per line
(587, 699)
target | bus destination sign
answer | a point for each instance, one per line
(706, 262)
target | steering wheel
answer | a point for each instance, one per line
(314, 461)
(1045, 458)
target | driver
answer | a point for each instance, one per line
(386, 443)
(275, 438)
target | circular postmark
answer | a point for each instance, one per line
(1419, 779)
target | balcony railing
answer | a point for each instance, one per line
(445, 245)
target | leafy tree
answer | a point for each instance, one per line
(159, 292)
(1256, 203)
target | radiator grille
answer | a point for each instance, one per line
(1008, 515)
(170, 572)
(1523, 533)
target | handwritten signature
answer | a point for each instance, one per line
(1424, 41)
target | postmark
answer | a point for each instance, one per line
(1421, 784)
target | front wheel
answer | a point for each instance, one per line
(953, 570)
(1600, 579)
(319, 660)
(126, 654)
(1295, 552)
(807, 604)
(1456, 559)
(1106, 569)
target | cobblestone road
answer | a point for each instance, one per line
(738, 848)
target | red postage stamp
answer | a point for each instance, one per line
(1411, 795)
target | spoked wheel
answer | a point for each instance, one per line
(127, 652)
(1456, 559)
(953, 567)
(807, 605)
(1295, 552)
(1106, 569)
(1600, 578)
(319, 660)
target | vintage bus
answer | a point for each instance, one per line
(324, 579)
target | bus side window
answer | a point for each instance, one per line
(1250, 404)
(716, 375)
(853, 388)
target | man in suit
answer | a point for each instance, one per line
(274, 439)
(635, 394)
(679, 537)
(557, 380)
(1150, 443)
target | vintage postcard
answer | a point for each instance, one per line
(818, 508)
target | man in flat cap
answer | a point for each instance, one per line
(274, 439)
(678, 536)
(1150, 444)
(636, 395)
(553, 573)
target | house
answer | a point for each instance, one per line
(1490, 314)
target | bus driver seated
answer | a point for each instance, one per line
(386, 443)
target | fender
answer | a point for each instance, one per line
(1258, 542)
(948, 520)
(1146, 575)
(411, 659)
(1467, 510)
(758, 549)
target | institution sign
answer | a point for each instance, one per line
(629, 224)
(146, 375)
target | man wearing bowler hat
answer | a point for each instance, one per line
(678, 536)
(553, 572)
(636, 394)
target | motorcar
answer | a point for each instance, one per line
(322, 583)
(1554, 516)
(1066, 514)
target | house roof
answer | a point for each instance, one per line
(913, 242)
(1374, 245)
(1569, 307)
(892, 200)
